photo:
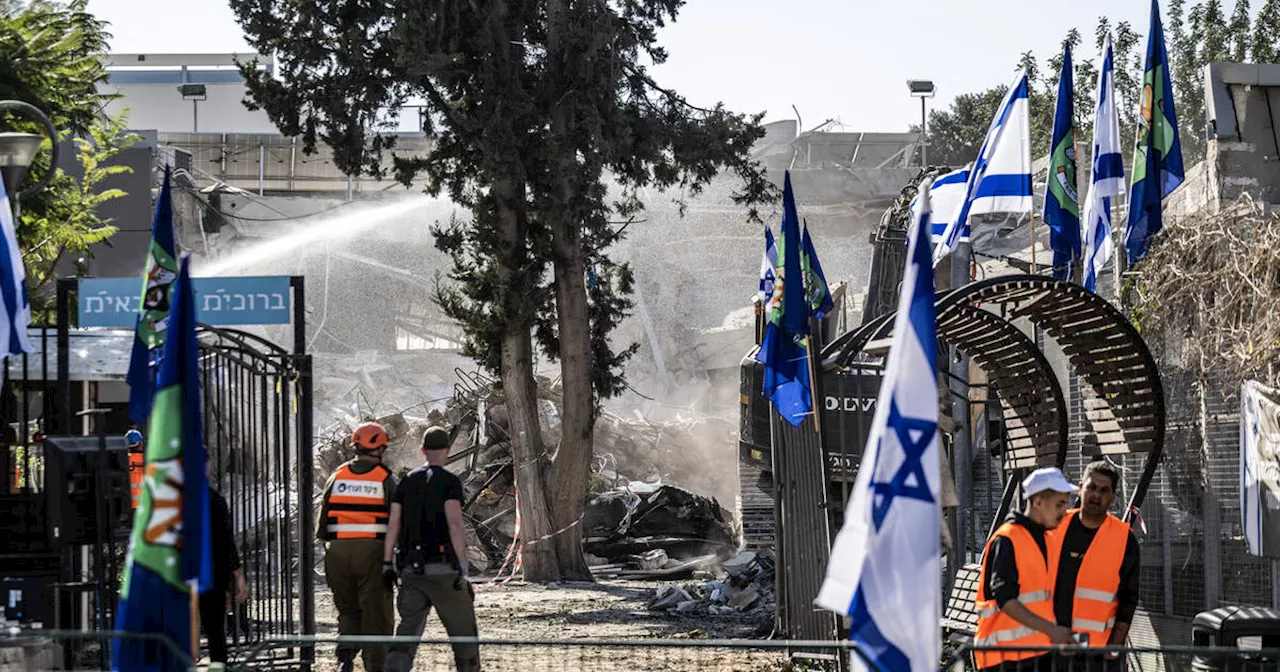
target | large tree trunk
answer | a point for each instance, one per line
(570, 476)
(539, 561)
(521, 392)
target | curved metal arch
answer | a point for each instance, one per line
(1123, 396)
(244, 339)
(1031, 400)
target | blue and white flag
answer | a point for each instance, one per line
(887, 557)
(1000, 180)
(16, 316)
(768, 267)
(1107, 183)
(946, 195)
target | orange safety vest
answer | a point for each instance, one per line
(357, 504)
(137, 468)
(1094, 605)
(1035, 591)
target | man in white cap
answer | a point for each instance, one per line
(1015, 586)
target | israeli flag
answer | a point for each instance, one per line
(1107, 184)
(15, 318)
(886, 562)
(1000, 180)
(768, 267)
(946, 194)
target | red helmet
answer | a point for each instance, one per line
(369, 436)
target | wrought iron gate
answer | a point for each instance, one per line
(258, 433)
(257, 402)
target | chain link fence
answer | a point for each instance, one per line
(1124, 659)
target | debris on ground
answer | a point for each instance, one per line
(744, 584)
(655, 507)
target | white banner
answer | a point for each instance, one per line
(1260, 468)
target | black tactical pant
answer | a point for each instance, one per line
(418, 593)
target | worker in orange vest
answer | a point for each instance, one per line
(353, 522)
(1015, 586)
(1096, 589)
(137, 464)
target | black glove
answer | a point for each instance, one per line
(388, 575)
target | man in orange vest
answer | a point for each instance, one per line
(353, 523)
(1096, 590)
(137, 464)
(1015, 586)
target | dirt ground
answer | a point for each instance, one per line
(578, 616)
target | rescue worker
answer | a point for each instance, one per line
(1015, 585)
(428, 542)
(1096, 590)
(137, 464)
(353, 523)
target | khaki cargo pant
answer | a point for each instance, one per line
(418, 593)
(353, 568)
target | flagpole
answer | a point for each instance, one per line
(195, 624)
(1032, 226)
(813, 375)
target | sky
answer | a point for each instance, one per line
(847, 60)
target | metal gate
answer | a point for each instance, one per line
(257, 402)
(258, 433)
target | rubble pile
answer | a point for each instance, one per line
(744, 585)
(655, 491)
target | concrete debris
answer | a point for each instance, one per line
(655, 504)
(746, 586)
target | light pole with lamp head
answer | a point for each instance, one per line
(922, 88)
(18, 152)
(194, 93)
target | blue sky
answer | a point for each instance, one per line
(842, 59)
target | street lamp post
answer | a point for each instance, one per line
(922, 88)
(18, 152)
(194, 93)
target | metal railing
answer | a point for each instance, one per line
(78, 656)
(598, 655)
(1122, 659)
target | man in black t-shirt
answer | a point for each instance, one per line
(428, 541)
(1096, 589)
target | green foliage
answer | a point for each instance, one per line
(1194, 35)
(54, 61)
(1265, 40)
(68, 223)
(535, 107)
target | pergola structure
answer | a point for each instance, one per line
(999, 323)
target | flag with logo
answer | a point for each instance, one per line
(886, 558)
(816, 292)
(1157, 158)
(13, 284)
(1106, 183)
(784, 350)
(153, 316)
(169, 551)
(1000, 179)
(1061, 199)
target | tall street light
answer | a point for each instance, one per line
(194, 93)
(922, 89)
(18, 151)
